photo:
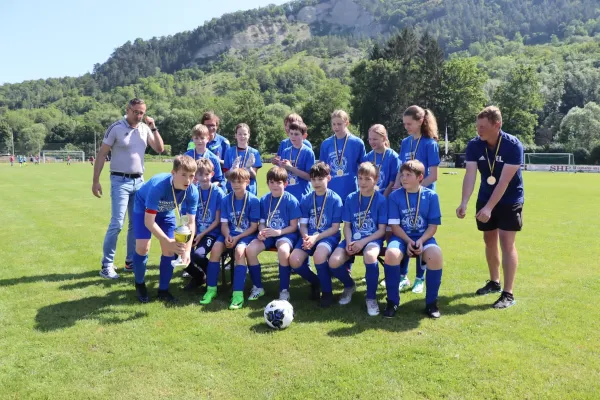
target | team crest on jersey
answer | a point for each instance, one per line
(233, 219)
(205, 222)
(165, 205)
(276, 221)
(337, 165)
(368, 227)
(408, 219)
(311, 221)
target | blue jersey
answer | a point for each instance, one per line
(403, 214)
(388, 165)
(510, 152)
(425, 150)
(330, 215)
(297, 186)
(285, 143)
(209, 204)
(231, 155)
(348, 164)
(218, 146)
(231, 215)
(369, 223)
(157, 195)
(279, 217)
(218, 177)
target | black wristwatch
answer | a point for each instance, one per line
(153, 129)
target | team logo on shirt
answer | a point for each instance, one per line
(408, 220)
(276, 221)
(165, 205)
(368, 227)
(205, 222)
(233, 218)
(337, 165)
(312, 221)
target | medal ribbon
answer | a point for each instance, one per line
(318, 221)
(269, 213)
(341, 156)
(413, 155)
(487, 156)
(177, 213)
(414, 222)
(205, 205)
(239, 221)
(360, 224)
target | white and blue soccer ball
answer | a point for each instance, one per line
(279, 314)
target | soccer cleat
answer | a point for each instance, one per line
(109, 273)
(255, 293)
(211, 293)
(490, 287)
(128, 266)
(284, 295)
(192, 285)
(315, 291)
(404, 283)
(506, 300)
(372, 307)
(432, 310)
(141, 292)
(346, 296)
(418, 286)
(326, 300)
(237, 300)
(390, 309)
(164, 295)
(185, 274)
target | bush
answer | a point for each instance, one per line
(581, 156)
(594, 157)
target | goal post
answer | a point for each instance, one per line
(550, 158)
(52, 156)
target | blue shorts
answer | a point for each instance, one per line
(396, 243)
(245, 241)
(330, 242)
(378, 243)
(290, 238)
(167, 224)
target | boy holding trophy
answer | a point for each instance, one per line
(157, 211)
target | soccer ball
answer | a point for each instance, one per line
(279, 314)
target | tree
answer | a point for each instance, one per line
(31, 140)
(581, 126)
(6, 136)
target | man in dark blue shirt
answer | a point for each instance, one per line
(498, 156)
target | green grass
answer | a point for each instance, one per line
(65, 333)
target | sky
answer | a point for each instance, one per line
(46, 39)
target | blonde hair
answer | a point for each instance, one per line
(414, 166)
(293, 117)
(381, 131)
(343, 115)
(186, 163)
(367, 168)
(200, 130)
(492, 113)
(238, 174)
(429, 127)
(205, 165)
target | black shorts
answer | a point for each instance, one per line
(507, 217)
(204, 247)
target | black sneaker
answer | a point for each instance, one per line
(192, 285)
(506, 300)
(326, 300)
(164, 295)
(128, 266)
(490, 287)
(432, 310)
(390, 309)
(142, 292)
(315, 291)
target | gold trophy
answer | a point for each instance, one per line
(183, 234)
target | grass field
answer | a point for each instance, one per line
(65, 333)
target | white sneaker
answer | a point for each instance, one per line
(256, 293)
(372, 307)
(346, 296)
(418, 286)
(404, 283)
(284, 295)
(109, 273)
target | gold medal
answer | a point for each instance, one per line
(491, 180)
(292, 181)
(339, 172)
(340, 157)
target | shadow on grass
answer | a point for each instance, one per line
(68, 313)
(49, 278)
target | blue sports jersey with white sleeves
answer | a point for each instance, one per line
(403, 214)
(251, 212)
(279, 216)
(209, 202)
(218, 177)
(427, 151)
(157, 195)
(510, 152)
(376, 214)
(306, 159)
(244, 154)
(285, 143)
(388, 165)
(348, 164)
(330, 215)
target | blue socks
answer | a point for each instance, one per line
(305, 272)
(343, 275)
(404, 265)
(372, 277)
(392, 281)
(212, 273)
(239, 277)
(284, 278)
(420, 269)
(139, 267)
(255, 275)
(166, 272)
(324, 277)
(433, 280)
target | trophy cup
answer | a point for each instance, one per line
(183, 234)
